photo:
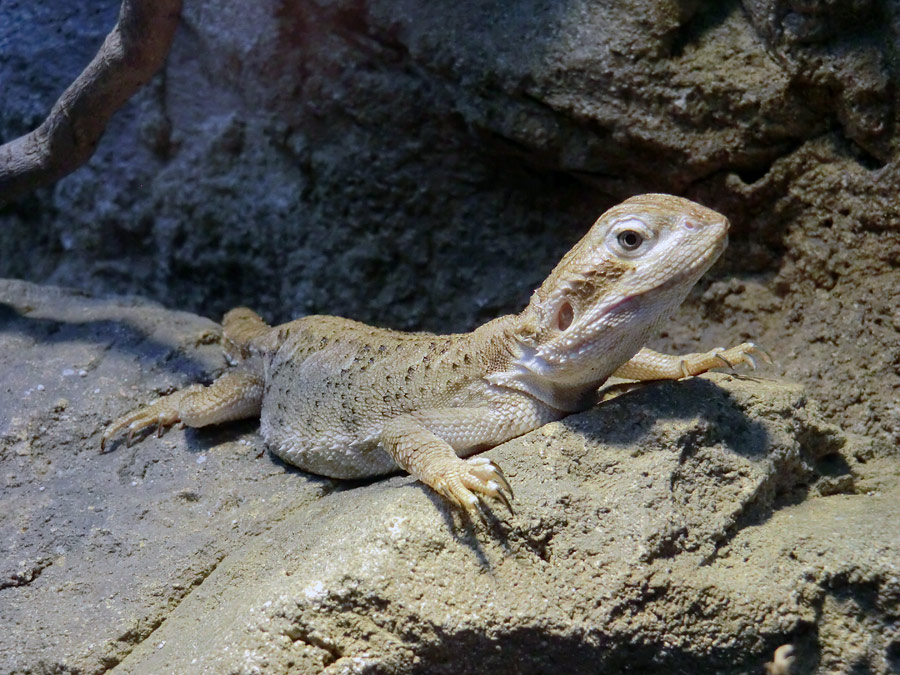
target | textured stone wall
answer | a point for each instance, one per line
(423, 165)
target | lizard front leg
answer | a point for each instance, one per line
(233, 396)
(650, 365)
(426, 443)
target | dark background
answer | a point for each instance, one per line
(424, 165)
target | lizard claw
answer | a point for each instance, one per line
(479, 477)
(743, 353)
(496, 473)
(766, 356)
(163, 413)
(503, 498)
(486, 478)
(725, 362)
(747, 353)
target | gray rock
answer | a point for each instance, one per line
(286, 141)
(838, 52)
(423, 165)
(684, 527)
(96, 549)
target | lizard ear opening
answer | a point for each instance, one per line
(565, 315)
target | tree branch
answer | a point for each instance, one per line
(133, 51)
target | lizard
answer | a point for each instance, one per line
(343, 399)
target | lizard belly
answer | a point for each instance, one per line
(331, 454)
(308, 421)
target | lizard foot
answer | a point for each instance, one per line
(477, 478)
(234, 396)
(163, 412)
(747, 352)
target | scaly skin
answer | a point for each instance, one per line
(346, 400)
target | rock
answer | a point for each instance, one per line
(288, 140)
(97, 549)
(423, 165)
(685, 527)
(836, 53)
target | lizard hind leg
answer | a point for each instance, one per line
(233, 396)
(243, 328)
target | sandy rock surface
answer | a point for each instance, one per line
(691, 526)
(96, 549)
(423, 166)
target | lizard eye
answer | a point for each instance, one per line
(565, 315)
(629, 239)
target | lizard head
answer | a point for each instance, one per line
(597, 307)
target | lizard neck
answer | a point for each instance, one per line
(506, 361)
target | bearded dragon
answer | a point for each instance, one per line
(343, 399)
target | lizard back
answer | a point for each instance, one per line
(332, 383)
